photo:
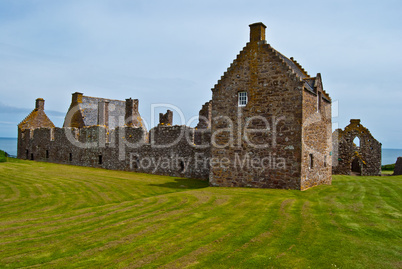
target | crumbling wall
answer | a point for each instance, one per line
(202, 133)
(398, 167)
(124, 148)
(365, 158)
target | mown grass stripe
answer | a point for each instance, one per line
(67, 216)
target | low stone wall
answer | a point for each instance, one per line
(167, 150)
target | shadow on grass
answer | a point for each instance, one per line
(183, 183)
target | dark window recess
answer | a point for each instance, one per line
(70, 157)
(32, 156)
(182, 166)
(311, 161)
(325, 161)
(100, 159)
(47, 154)
(27, 154)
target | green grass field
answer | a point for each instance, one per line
(54, 216)
(3, 156)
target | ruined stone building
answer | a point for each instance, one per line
(356, 151)
(268, 125)
(398, 167)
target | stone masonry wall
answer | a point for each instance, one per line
(317, 137)
(398, 167)
(275, 103)
(367, 156)
(124, 148)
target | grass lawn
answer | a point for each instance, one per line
(54, 216)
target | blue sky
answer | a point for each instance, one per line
(175, 51)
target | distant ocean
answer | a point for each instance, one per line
(389, 156)
(9, 145)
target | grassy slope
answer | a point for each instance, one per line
(64, 216)
(3, 157)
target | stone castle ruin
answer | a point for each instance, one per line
(268, 125)
(356, 151)
(398, 167)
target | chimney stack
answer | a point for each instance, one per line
(40, 104)
(132, 113)
(257, 32)
(77, 98)
(103, 113)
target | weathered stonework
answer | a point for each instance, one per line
(350, 158)
(268, 125)
(37, 118)
(281, 123)
(165, 150)
(398, 167)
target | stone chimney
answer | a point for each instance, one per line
(132, 113)
(257, 32)
(40, 104)
(77, 98)
(166, 119)
(103, 113)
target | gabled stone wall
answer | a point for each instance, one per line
(265, 143)
(364, 158)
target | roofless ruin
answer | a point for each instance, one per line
(268, 125)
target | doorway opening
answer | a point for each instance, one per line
(356, 169)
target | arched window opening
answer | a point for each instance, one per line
(356, 142)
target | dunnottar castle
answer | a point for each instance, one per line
(268, 125)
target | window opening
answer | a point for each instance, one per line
(242, 98)
(311, 161)
(181, 166)
(319, 102)
(356, 142)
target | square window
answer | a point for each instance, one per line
(242, 98)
